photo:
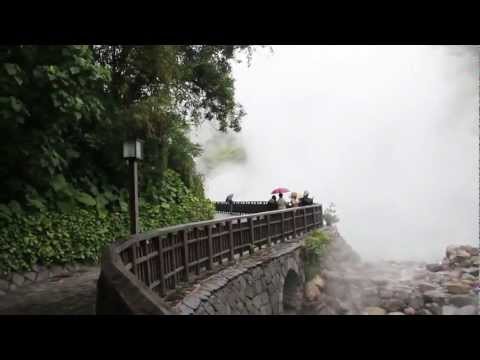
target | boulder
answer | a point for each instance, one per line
(467, 276)
(318, 281)
(467, 310)
(435, 308)
(374, 310)
(474, 271)
(457, 288)
(462, 300)
(426, 286)
(434, 267)
(392, 305)
(415, 301)
(396, 313)
(462, 254)
(451, 250)
(475, 261)
(435, 296)
(312, 292)
(449, 310)
(424, 312)
(473, 251)
(409, 311)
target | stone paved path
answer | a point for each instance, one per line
(72, 295)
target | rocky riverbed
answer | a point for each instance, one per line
(346, 285)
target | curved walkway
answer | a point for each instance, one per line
(74, 294)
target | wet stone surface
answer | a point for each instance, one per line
(65, 294)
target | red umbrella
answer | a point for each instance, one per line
(280, 190)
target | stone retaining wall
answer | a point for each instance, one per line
(253, 286)
(12, 281)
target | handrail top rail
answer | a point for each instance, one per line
(122, 244)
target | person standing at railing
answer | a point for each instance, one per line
(305, 200)
(293, 200)
(281, 203)
(272, 203)
(229, 201)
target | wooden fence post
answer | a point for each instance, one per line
(210, 247)
(252, 234)
(321, 216)
(269, 239)
(304, 220)
(230, 230)
(294, 224)
(161, 269)
(185, 253)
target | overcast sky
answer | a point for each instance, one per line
(387, 133)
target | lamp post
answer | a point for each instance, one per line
(133, 151)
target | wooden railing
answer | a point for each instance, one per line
(243, 207)
(164, 258)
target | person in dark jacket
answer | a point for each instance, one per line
(229, 201)
(272, 203)
(305, 200)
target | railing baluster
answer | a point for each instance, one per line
(304, 220)
(184, 237)
(294, 224)
(230, 230)
(161, 267)
(252, 237)
(210, 248)
(269, 239)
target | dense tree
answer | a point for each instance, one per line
(65, 110)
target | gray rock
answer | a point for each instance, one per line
(396, 313)
(31, 276)
(42, 276)
(403, 295)
(18, 279)
(449, 310)
(374, 310)
(409, 311)
(462, 300)
(467, 310)
(457, 288)
(415, 301)
(434, 267)
(191, 301)
(4, 285)
(425, 286)
(435, 308)
(12, 287)
(474, 271)
(435, 296)
(393, 305)
(2, 293)
(423, 312)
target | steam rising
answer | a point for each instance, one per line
(387, 133)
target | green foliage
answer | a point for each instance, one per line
(64, 113)
(315, 245)
(330, 215)
(52, 237)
